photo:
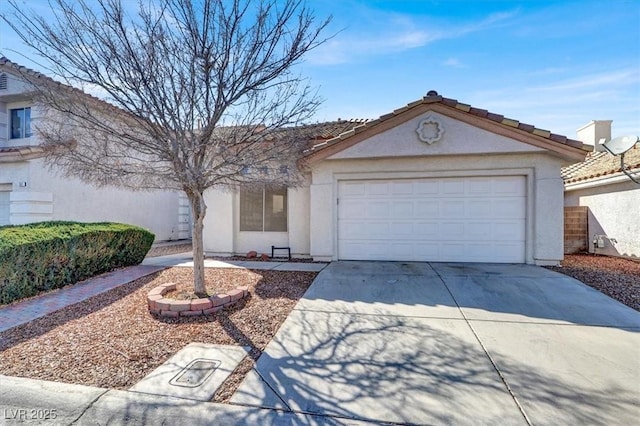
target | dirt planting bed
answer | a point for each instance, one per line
(112, 340)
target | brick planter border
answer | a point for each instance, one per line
(158, 305)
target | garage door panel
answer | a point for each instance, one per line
(479, 230)
(477, 250)
(352, 189)
(378, 210)
(427, 230)
(403, 209)
(507, 185)
(351, 209)
(480, 219)
(509, 207)
(450, 231)
(509, 231)
(402, 188)
(508, 252)
(404, 229)
(426, 209)
(478, 186)
(453, 208)
(480, 208)
(452, 186)
(377, 188)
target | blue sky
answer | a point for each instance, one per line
(554, 64)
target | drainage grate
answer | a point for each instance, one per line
(194, 374)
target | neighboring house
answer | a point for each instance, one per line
(30, 192)
(604, 204)
(436, 180)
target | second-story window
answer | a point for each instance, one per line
(20, 123)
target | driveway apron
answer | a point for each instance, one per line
(420, 343)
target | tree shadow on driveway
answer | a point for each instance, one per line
(416, 371)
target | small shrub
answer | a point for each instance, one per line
(47, 255)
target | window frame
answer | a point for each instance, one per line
(25, 131)
(264, 191)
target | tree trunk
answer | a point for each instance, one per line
(198, 211)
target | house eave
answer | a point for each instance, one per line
(384, 123)
(599, 181)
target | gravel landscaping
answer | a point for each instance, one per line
(618, 278)
(112, 340)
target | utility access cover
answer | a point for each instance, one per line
(194, 374)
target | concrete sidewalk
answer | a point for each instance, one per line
(186, 260)
(27, 401)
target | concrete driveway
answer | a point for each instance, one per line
(433, 343)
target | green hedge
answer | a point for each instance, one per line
(42, 256)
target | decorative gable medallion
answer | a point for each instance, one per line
(430, 129)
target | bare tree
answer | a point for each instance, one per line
(194, 93)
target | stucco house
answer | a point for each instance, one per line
(602, 203)
(30, 192)
(436, 180)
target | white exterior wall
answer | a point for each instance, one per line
(218, 238)
(29, 207)
(75, 200)
(4, 124)
(464, 150)
(544, 227)
(614, 211)
(222, 235)
(37, 194)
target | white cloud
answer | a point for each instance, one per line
(616, 78)
(565, 105)
(453, 63)
(397, 33)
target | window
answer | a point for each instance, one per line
(263, 210)
(20, 123)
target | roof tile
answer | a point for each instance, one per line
(433, 97)
(479, 112)
(509, 122)
(495, 117)
(599, 164)
(542, 132)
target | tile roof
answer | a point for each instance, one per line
(326, 134)
(30, 74)
(331, 129)
(315, 131)
(599, 165)
(433, 98)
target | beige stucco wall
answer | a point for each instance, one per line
(222, 235)
(614, 211)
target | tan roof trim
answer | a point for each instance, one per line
(483, 119)
(21, 153)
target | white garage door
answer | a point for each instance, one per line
(4, 207)
(475, 219)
